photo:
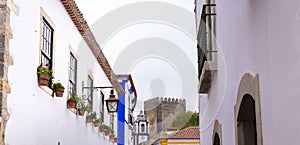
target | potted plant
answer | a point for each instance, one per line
(97, 122)
(80, 107)
(116, 139)
(71, 103)
(90, 118)
(89, 110)
(44, 74)
(59, 89)
(107, 130)
(111, 137)
(102, 128)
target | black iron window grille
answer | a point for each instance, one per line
(206, 35)
(47, 45)
(101, 106)
(73, 74)
(90, 91)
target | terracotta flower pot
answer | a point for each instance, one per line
(71, 103)
(116, 139)
(89, 119)
(59, 92)
(106, 132)
(101, 129)
(44, 79)
(81, 111)
(97, 124)
(111, 137)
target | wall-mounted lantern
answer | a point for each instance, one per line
(112, 103)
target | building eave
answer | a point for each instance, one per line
(85, 31)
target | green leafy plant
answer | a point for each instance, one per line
(57, 85)
(45, 70)
(104, 126)
(74, 97)
(97, 120)
(94, 115)
(80, 103)
(111, 131)
(88, 108)
(185, 119)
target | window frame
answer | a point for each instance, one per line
(101, 108)
(73, 82)
(90, 85)
(44, 18)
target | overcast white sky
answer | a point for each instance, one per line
(93, 9)
(154, 74)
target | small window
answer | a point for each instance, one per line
(143, 128)
(101, 106)
(111, 121)
(47, 45)
(90, 91)
(73, 74)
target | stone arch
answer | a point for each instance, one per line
(248, 99)
(217, 133)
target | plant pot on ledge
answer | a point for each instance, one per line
(97, 122)
(71, 103)
(44, 79)
(101, 128)
(116, 139)
(44, 74)
(80, 111)
(59, 89)
(106, 132)
(111, 137)
(89, 119)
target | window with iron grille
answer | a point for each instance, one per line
(111, 121)
(206, 35)
(47, 44)
(73, 74)
(101, 106)
(90, 91)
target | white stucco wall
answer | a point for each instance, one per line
(261, 37)
(35, 117)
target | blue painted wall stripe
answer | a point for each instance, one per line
(121, 116)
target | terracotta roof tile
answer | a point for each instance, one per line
(85, 31)
(191, 132)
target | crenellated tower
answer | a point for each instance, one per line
(161, 111)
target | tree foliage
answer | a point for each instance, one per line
(185, 119)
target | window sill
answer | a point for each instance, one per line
(47, 90)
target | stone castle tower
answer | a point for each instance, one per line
(161, 112)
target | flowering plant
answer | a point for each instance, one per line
(44, 70)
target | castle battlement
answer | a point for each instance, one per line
(161, 111)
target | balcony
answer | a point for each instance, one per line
(207, 48)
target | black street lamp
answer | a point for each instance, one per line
(112, 103)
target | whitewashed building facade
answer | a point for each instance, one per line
(248, 71)
(54, 32)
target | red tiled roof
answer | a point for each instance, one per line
(85, 31)
(191, 132)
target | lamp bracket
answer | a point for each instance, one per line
(93, 89)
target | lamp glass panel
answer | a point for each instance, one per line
(112, 106)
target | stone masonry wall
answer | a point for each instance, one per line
(161, 112)
(6, 6)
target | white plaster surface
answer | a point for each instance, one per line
(261, 37)
(35, 117)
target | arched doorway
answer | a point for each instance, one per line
(217, 133)
(246, 122)
(247, 112)
(216, 139)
